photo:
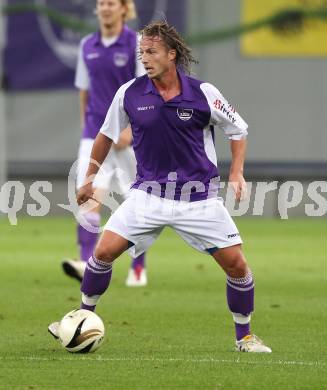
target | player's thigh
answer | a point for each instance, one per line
(138, 220)
(206, 225)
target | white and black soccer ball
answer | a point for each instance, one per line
(81, 331)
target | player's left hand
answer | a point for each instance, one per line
(238, 183)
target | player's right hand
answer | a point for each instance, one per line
(84, 193)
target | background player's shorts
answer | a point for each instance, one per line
(117, 171)
(204, 224)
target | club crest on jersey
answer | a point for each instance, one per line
(185, 114)
(120, 59)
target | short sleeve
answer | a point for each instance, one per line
(82, 80)
(116, 118)
(223, 114)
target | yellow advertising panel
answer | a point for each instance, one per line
(306, 37)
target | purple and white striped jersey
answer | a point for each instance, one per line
(102, 68)
(173, 141)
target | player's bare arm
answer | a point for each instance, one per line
(83, 97)
(236, 179)
(125, 139)
(100, 150)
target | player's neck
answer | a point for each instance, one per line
(168, 85)
(109, 31)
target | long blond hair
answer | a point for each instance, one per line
(131, 9)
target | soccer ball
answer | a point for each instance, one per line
(81, 331)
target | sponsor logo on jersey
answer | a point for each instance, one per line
(185, 114)
(120, 59)
(91, 56)
(145, 108)
(226, 109)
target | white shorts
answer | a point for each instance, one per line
(117, 172)
(205, 225)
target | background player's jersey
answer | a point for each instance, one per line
(173, 140)
(101, 69)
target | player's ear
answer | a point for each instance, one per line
(172, 55)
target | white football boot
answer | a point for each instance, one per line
(251, 343)
(136, 277)
(53, 329)
(74, 268)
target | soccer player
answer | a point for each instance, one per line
(107, 59)
(172, 115)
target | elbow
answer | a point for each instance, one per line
(104, 139)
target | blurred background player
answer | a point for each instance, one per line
(107, 59)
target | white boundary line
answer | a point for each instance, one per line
(99, 358)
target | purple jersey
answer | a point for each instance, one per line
(173, 140)
(107, 69)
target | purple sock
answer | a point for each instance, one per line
(87, 240)
(138, 261)
(240, 299)
(95, 282)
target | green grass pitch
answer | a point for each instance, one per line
(177, 332)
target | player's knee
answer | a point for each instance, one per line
(233, 261)
(239, 265)
(105, 253)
